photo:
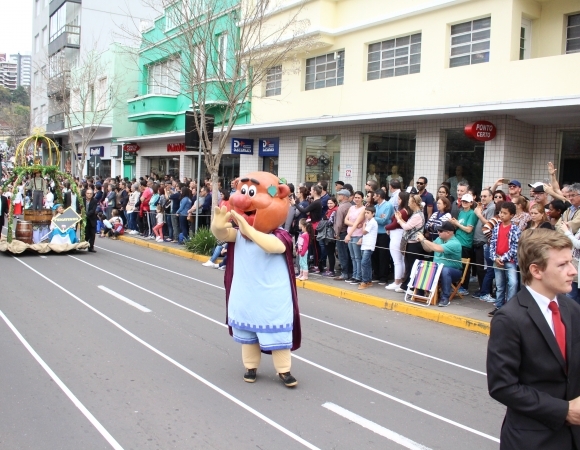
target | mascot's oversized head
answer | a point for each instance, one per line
(262, 200)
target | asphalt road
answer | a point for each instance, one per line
(84, 369)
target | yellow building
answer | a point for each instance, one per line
(394, 83)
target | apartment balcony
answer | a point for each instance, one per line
(68, 36)
(55, 123)
(59, 85)
(152, 107)
(56, 4)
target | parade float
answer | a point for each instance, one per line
(41, 229)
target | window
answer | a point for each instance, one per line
(569, 157)
(390, 156)
(35, 117)
(463, 159)
(395, 57)
(525, 39)
(45, 3)
(66, 18)
(75, 100)
(101, 94)
(274, 81)
(35, 81)
(470, 42)
(573, 34)
(174, 15)
(43, 115)
(325, 71)
(37, 7)
(90, 98)
(165, 77)
(199, 62)
(223, 54)
(44, 36)
(37, 43)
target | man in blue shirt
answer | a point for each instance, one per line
(394, 189)
(447, 251)
(381, 258)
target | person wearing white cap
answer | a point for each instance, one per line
(465, 223)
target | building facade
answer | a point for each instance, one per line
(174, 77)
(8, 73)
(64, 32)
(387, 90)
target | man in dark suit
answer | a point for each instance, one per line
(3, 209)
(91, 213)
(533, 355)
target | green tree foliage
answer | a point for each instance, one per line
(20, 95)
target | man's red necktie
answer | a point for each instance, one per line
(559, 328)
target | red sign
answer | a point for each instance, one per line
(481, 130)
(176, 147)
(131, 148)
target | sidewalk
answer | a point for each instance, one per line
(467, 313)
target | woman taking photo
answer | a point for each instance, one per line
(442, 214)
(354, 221)
(396, 233)
(411, 227)
(539, 219)
(329, 244)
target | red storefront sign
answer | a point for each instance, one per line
(131, 148)
(482, 130)
(176, 147)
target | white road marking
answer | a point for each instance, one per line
(394, 345)
(125, 299)
(374, 427)
(110, 439)
(318, 320)
(163, 268)
(398, 400)
(384, 394)
(44, 257)
(181, 366)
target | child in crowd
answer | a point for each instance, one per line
(367, 243)
(112, 228)
(306, 236)
(160, 221)
(503, 250)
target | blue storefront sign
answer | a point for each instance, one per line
(97, 151)
(269, 147)
(242, 146)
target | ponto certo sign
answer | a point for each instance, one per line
(481, 130)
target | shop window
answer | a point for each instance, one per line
(270, 164)
(470, 42)
(569, 157)
(573, 34)
(463, 160)
(321, 156)
(394, 57)
(168, 165)
(325, 71)
(390, 156)
(229, 169)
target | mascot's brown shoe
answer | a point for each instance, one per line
(250, 376)
(288, 379)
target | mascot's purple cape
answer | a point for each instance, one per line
(285, 237)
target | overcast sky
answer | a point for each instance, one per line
(16, 28)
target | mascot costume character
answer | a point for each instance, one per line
(261, 297)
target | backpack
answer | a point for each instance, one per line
(324, 230)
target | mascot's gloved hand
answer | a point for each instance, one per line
(268, 242)
(221, 225)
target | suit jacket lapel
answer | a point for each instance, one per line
(534, 311)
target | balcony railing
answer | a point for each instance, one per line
(67, 36)
(55, 122)
(59, 85)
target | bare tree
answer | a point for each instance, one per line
(84, 94)
(217, 53)
(16, 119)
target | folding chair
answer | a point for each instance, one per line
(424, 277)
(455, 287)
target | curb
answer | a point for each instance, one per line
(453, 320)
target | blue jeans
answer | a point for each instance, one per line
(366, 266)
(356, 256)
(343, 256)
(574, 294)
(487, 283)
(132, 220)
(506, 282)
(448, 275)
(323, 255)
(216, 253)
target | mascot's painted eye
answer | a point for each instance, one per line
(252, 191)
(244, 189)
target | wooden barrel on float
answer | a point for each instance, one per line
(24, 231)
